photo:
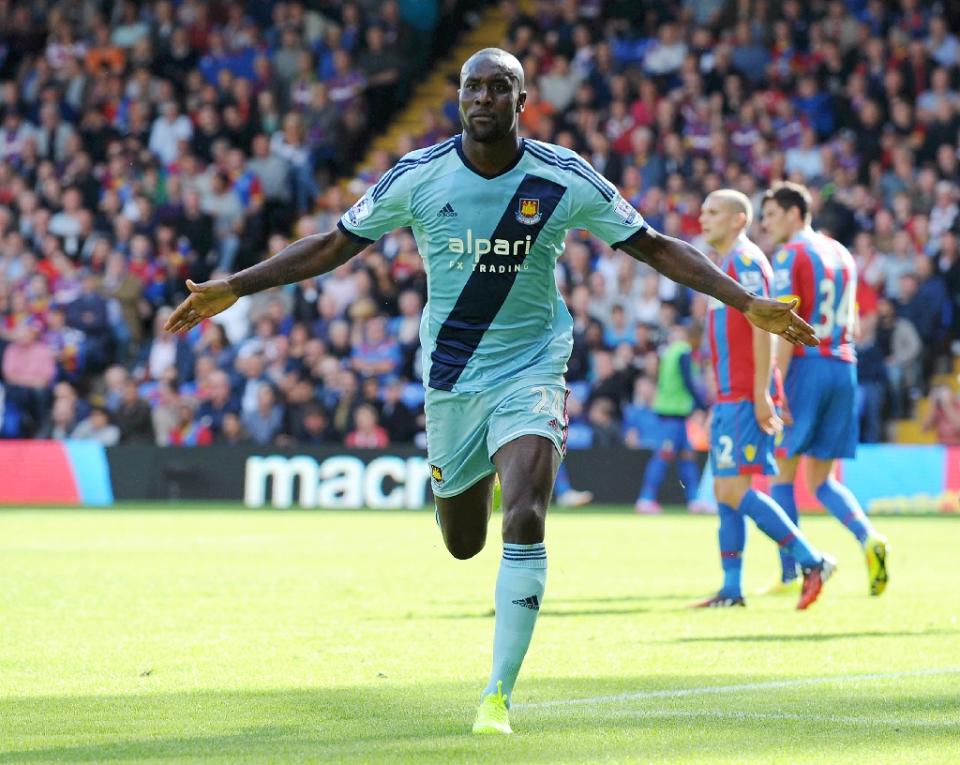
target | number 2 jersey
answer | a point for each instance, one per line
(729, 332)
(489, 246)
(822, 273)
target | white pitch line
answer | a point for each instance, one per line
(787, 716)
(707, 690)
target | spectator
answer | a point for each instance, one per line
(667, 54)
(168, 130)
(28, 372)
(640, 422)
(232, 432)
(133, 417)
(608, 383)
(316, 427)
(290, 145)
(89, 313)
(187, 430)
(395, 416)
(898, 341)
(219, 401)
(871, 381)
(163, 352)
(63, 419)
(97, 427)
(558, 87)
(377, 354)
(606, 428)
(264, 423)
(944, 415)
(381, 67)
(368, 434)
(925, 303)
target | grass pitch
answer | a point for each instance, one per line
(235, 636)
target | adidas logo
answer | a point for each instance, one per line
(531, 602)
(447, 211)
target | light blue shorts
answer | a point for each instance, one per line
(465, 430)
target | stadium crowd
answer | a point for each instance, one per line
(145, 143)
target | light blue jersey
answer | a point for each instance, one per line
(489, 246)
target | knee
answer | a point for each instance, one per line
(730, 491)
(727, 497)
(524, 522)
(464, 549)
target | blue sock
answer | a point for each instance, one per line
(733, 537)
(562, 484)
(520, 585)
(784, 496)
(690, 477)
(653, 477)
(841, 503)
(773, 522)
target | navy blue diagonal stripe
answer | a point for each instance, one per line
(435, 153)
(484, 294)
(579, 167)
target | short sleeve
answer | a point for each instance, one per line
(793, 278)
(383, 208)
(598, 207)
(751, 274)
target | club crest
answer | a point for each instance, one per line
(529, 212)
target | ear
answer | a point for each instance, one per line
(521, 100)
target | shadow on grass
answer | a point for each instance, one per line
(545, 613)
(429, 723)
(810, 637)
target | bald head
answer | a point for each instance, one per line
(497, 57)
(735, 202)
(724, 216)
(491, 97)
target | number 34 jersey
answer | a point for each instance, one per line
(489, 246)
(822, 273)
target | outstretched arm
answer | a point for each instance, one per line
(686, 265)
(307, 257)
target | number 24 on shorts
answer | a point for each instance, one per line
(551, 401)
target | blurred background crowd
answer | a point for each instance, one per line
(143, 143)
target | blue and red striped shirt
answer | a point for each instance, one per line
(730, 334)
(822, 273)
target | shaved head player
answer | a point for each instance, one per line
(490, 212)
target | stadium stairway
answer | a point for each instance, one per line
(911, 431)
(428, 95)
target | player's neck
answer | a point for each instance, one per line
(723, 248)
(490, 158)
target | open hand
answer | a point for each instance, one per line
(780, 319)
(205, 300)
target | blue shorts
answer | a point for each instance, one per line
(738, 445)
(671, 435)
(821, 394)
(465, 430)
